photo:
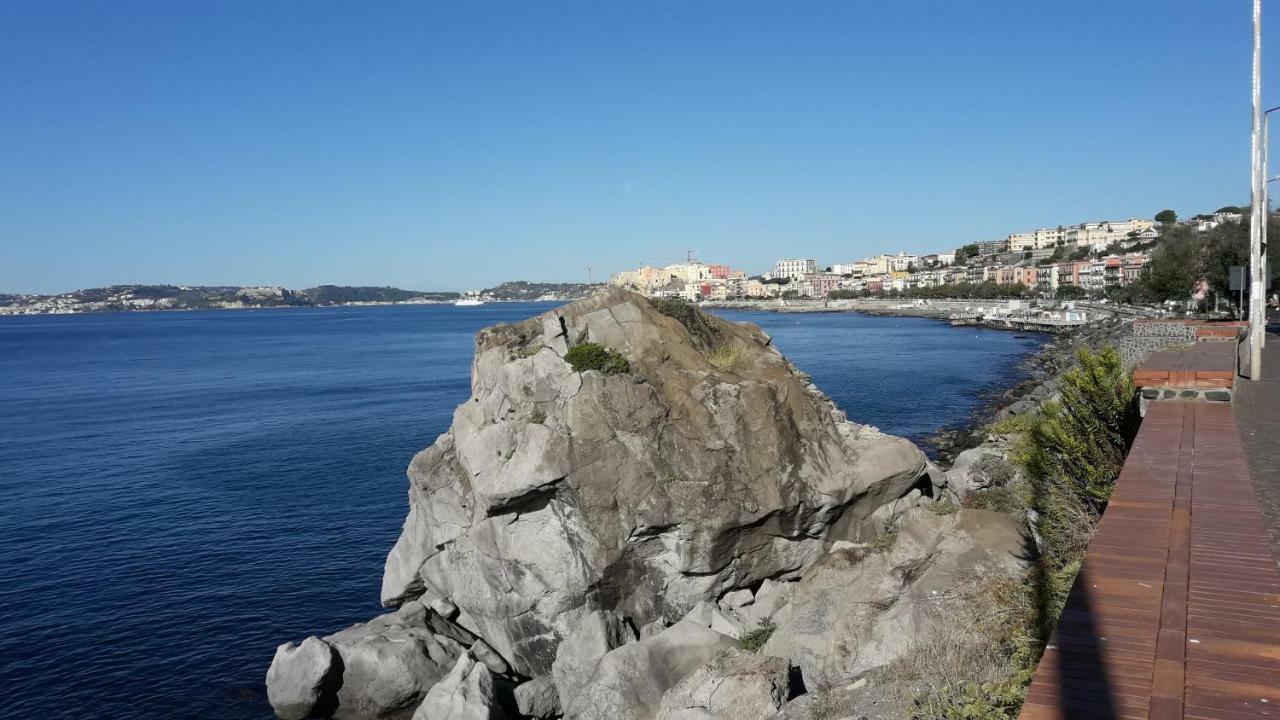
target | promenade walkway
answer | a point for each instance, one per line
(1258, 410)
(1176, 610)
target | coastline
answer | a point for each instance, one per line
(1035, 381)
(106, 311)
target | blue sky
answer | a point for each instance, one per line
(450, 146)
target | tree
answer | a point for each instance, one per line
(1176, 265)
(1071, 292)
(1166, 216)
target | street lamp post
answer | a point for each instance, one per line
(1266, 203)
(1257, 299)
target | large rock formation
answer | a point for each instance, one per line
(568, 520)
(556, 492)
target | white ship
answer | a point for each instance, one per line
(469, 299)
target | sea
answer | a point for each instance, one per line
(183, 491)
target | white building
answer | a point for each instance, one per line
(793, 268)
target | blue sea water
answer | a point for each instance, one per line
(184, 491)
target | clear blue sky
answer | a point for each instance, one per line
(450, 146)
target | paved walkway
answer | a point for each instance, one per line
(1176, 610)
(1258, 411)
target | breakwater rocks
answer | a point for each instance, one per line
(621, 542)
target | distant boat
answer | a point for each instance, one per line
(469, 300)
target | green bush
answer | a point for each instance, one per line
(701, 328)
(756, 639)
(594, 356)
(1079, 442)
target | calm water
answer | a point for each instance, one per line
(183, 491)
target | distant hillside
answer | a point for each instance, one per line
(342, 294)
(204, 297)
(522, 290)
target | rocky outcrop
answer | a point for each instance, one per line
(556, 492)
(858, 609)
(600, 543)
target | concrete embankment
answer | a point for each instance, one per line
(1016, 315)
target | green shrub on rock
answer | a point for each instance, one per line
(594, 356)
(701, 329)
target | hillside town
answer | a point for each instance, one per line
(1080, 260)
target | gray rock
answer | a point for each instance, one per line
(389, 663)
(300, 678)
(738, 686)
(630, 682)
(580, 652)
(642, 493)
(466, 693)
(856, 611)
(736, 599)
(980, 468)
(538, 698)
(490, 658)
(770, 598)
(709, 616)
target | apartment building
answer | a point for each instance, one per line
(794, 268)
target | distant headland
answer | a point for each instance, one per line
(117, 298)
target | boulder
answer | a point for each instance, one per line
(379, 669)
(731, 687)
(710, 616)
(630, 682)
(644, 493)
(302, 679)
(538, 698)
(580, 652)
(857, 610)
(737, 598)
(980, 468)
(466, 693)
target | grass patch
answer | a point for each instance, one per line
(828, 705)
(725, 356)
(527, 351)
(755, 640)
(538, 416)
(945, 506)
(883, 542)
(1010, 500)
(594, 356)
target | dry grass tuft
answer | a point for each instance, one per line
(725, 356)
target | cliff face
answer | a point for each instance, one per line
(559, 499)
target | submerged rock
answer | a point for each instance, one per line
(556, 492)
